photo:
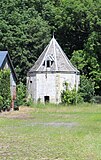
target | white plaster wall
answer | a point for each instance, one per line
(46, 87)
(31, 87)
(12, 85)
(77, 81)
(50, 84)
(70, 79)
(28, 88)
(12, 81)
(6, 65)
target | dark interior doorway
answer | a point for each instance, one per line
(46, 99)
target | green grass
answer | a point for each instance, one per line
(44, 133)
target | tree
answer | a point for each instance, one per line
(23, 33)
(26, 27)
(86, 89)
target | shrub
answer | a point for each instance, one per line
(1, 103)
(16, 107)
(70, 96)
(6, 105)
(21, 94)
(97, 99)
(29, 102)
(5, 92)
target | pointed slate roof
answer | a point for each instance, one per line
(55, 54)
(3, 56)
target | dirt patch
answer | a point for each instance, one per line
(56, 124)
(23, 113)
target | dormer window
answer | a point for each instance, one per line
(44, 63)
(48, 63)
(52, 62)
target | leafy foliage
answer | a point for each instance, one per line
(26, 27)
(21, 94)
(1, 103)
(86, 89)
(5, 94)
(70, 96)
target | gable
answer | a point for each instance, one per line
(5, 62)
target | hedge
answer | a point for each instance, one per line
(5, 94)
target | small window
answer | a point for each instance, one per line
(52, 62)
(48, 63)
(44, 63)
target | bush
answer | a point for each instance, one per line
(29, 102)
(5, 93)
(21, 94)
(70, 96)
(1, 103)
(97, 99)
(6, 105)
(16, 107)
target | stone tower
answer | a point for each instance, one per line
(52, 69)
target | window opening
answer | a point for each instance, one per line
(52, 62)
(44, 63)
(48, 63)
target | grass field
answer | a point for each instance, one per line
(51, 133)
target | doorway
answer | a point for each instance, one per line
(46, 99)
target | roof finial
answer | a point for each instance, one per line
(53, 34)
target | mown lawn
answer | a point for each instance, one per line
(51, 133)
